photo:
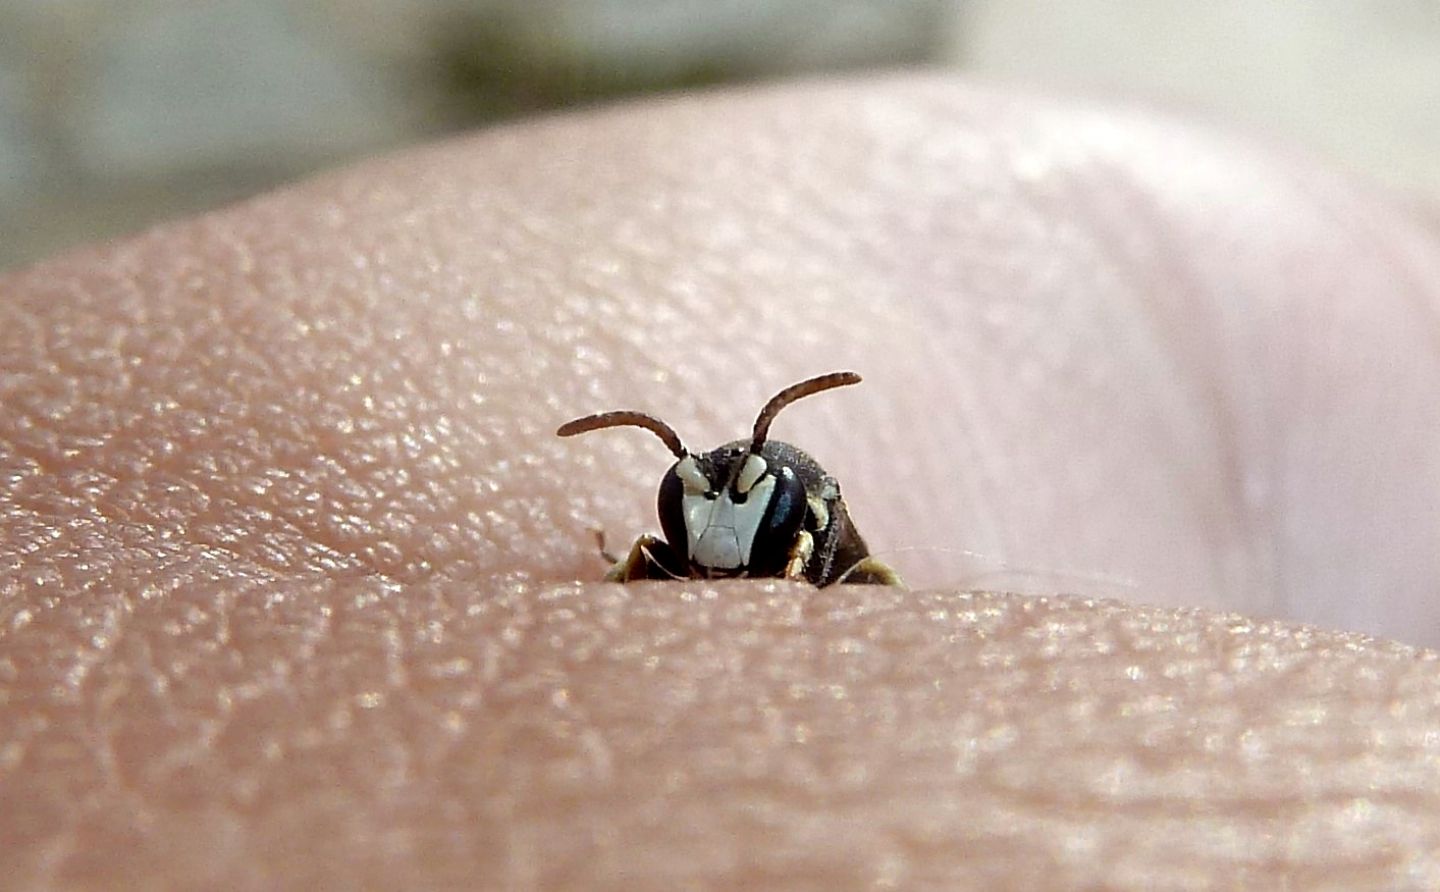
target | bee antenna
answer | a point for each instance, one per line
(791, 394)
(659, 428)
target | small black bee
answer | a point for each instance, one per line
(756, 507)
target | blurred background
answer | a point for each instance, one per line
(117, 113)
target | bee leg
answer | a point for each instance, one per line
(649, 558)
(870, 571)
(800, 554)
(605, 553)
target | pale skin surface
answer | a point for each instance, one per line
(286, 533)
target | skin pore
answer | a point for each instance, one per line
(288, 545)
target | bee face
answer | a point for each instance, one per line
(755, 507)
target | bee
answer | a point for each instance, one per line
(750, 508)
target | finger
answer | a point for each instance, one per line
(668, 735)
(1095, 348)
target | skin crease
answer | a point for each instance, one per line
(288, 542)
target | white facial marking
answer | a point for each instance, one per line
(689, 473)
(820, 505)
(821, 512)
(750, 472)
(721, 532)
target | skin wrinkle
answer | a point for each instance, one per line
(995, 537)
(374, 362)
(1385, 505)
(1352, 306)
(1416, 264)
(1412, 255)
(1188, 348)
(1248, 432)
(1046, 297)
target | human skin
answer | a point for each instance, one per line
(289, 555)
